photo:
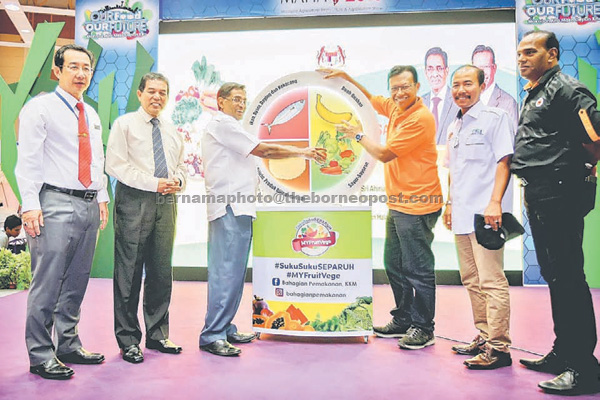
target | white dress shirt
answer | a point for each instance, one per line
(229, 168)
(442, 96)
(48, 148)
(487, 94)
(130, 152)
(475, 146)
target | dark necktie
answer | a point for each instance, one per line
(160, 163)
(436, 102)
(85, 149)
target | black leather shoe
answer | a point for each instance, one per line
(81, 356)
(570, 383)
(133, 354)
(164, 346)
(240, 337)
(221, 348)
(52, 369)
(550, 363)
(471, 349)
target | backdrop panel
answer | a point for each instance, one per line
(197, 63)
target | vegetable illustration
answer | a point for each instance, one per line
(355, 317)
(331, 116)
(337, 170)
(340, 155)
(297, 314)
(358, 315)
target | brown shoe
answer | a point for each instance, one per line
(489, 359)
(471, 349)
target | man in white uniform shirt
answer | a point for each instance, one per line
(60, 173)
(480, 146)
(146, 156)
(230, 170)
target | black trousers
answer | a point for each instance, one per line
(144, 237)
(556, 209)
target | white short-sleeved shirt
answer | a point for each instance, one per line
(229, 169)
(475, 145)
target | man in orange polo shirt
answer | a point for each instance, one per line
(414, 201)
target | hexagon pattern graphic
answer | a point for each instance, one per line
(572, 48)
(123, 64)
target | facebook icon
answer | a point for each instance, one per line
(276, 281)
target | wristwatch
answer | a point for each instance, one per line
(359, 136)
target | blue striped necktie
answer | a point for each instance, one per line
(160, 162)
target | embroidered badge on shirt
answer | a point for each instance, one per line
(539, 102)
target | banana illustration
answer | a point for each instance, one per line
(330, 116)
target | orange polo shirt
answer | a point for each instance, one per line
(412, 183)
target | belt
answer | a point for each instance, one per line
(546, 175)
(87, 195)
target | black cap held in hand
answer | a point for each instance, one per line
(494, 240)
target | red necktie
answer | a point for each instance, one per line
(85, 149)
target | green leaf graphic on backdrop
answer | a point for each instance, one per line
(12, 101)
(588, 75)
(143, 64)
(36, 78)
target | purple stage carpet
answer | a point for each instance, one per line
(277, 367)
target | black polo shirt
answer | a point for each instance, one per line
(551, 133)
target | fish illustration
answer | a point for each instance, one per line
(286, 114)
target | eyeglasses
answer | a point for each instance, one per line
(438, 68)
(405, 88)
(237, 100)
(75, 69)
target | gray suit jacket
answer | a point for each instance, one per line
(445, 117)
(506, 102)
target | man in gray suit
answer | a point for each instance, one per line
(146, 155)
(439, 99)
(483, 57)
(63, 188)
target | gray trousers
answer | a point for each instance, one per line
(61, 260)
(229, 240)
(144, 237)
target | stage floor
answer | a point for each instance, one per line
(278, 367)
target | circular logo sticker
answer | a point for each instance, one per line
(303, 110)
(539, 102)
(314, 236)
